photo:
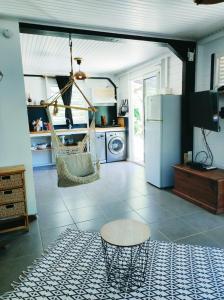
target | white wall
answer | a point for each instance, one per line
(35, 88)
(215, 139)
(175, 75)
(14, 132)
(170, 73)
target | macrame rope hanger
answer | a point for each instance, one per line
(52, 101)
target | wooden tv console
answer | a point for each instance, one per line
(204, 188)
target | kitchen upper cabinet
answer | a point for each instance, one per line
(103, 96)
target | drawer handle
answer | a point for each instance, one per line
(7, 192)
(9, 206)
(5, 177)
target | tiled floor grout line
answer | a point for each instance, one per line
(164, 235)
(200, 232)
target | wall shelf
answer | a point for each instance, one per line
(40, 150)
(36, 106)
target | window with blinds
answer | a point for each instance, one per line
(79, 116)
(220, 69)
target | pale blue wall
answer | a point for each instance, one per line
(14, 133)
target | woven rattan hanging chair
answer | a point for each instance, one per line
(75, 164)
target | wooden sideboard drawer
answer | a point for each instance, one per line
(204, 189)
(12, 196)
(12, 209)
(11, 181)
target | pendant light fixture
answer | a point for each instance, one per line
(209, 2)
(79, 75)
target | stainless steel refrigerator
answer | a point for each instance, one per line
(162, 138)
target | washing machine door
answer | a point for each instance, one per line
(116, 145)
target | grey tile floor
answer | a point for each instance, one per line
(120, 193)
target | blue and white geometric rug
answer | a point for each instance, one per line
(73, 268)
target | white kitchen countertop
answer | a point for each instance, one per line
(74, 131)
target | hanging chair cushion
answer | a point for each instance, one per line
(76, 169)
(77, 164)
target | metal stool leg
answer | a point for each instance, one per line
(126, 266)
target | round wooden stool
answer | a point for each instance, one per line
(126, 248)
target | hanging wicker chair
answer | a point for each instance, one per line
(76, 164)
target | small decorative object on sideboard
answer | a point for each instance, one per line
(47, 126)
(42, 146)
(29, 100)
(37, 124)
(121, 122)
(42, 102)
(13, 210)
(103, 120)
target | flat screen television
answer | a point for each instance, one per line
(204, 110)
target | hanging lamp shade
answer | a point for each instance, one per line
(79, 75)
(208, 1)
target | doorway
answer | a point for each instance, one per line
(138, 140)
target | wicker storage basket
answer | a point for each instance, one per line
(12, 196)
(11, 181)
(12, 209)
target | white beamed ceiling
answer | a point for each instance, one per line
(176, 18)
(47, 55)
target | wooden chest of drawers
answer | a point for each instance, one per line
(204, 188)
(13, 208)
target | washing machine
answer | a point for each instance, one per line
(116, 146)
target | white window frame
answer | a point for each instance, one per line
(217, 82)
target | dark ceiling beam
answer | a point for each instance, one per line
(208, 2)
(64, 31)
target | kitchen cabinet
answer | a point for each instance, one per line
(46, 157)
(103, 96)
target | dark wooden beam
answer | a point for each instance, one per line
(212, 71)
(188, 57)
(33, 75)
(85, 33)
(208, 2)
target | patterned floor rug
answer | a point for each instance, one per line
(73, 268)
